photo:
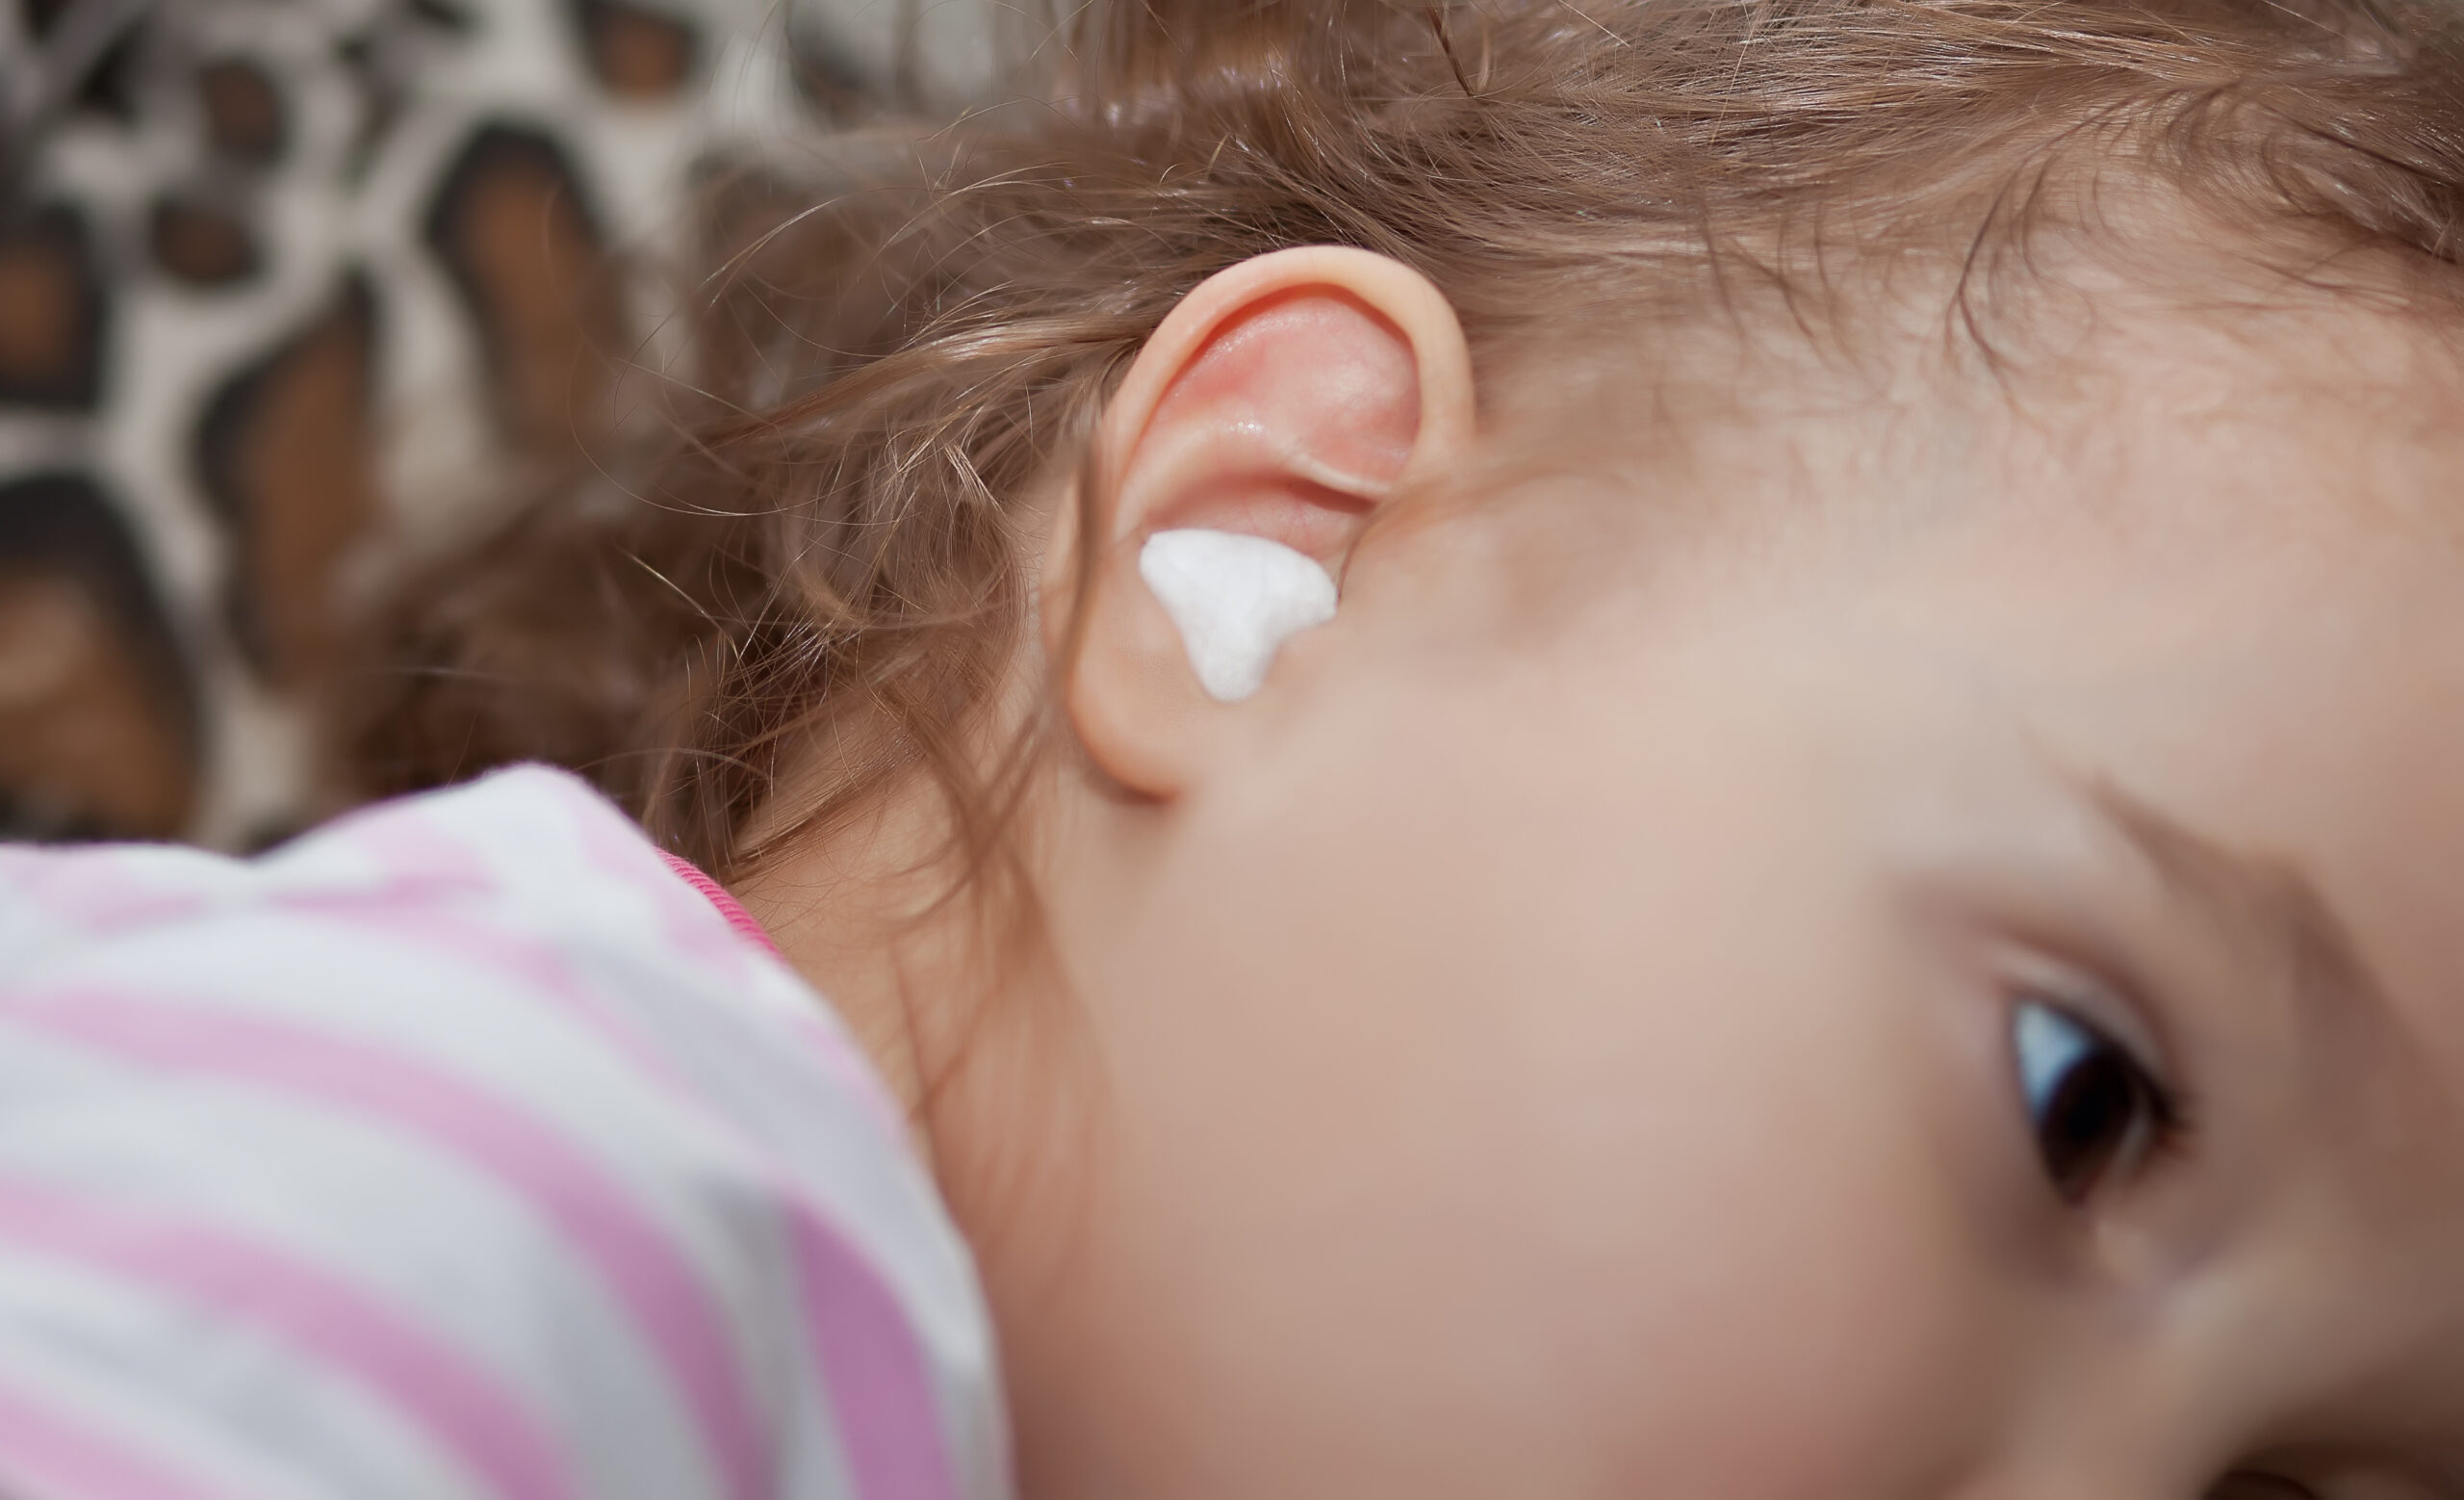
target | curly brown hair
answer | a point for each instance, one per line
(824, 539)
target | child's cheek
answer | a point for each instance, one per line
(1569, 1143)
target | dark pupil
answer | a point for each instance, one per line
(2088, 1119)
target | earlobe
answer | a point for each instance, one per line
(1273, 414)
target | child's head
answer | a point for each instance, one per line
(1860, 899)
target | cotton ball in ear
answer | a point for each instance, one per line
(1236, 599)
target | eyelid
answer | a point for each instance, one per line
(2029, 971)
(2072, 934)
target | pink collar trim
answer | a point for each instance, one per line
(737, 917)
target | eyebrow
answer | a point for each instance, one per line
(2265, 901)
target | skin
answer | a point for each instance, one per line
(1568, 1050)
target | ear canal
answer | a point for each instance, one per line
(1236, 599)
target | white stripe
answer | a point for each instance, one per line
(455, 1014)
(241, 1414)
(763, 1117)
(448, 1247)
(759, 1075)
(470, 1016)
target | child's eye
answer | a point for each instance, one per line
(2094, 1109)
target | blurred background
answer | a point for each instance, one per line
(288, 283)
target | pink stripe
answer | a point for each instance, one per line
(45, 1456)
(862, 1340)
(879, 1387)
(617, 847)
(740, 920)
(467, 934)
(404, 841)
(860, 1333)
(458, 1404)
(414, 838)
(96, 890)
(540, 963)
(408, 838)
(670, 1305)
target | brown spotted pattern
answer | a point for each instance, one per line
(279, 279)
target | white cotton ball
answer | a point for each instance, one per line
(1237, 599)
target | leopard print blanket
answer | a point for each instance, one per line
(281, 276)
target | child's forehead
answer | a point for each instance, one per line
(2311, 413)
(2165, 386)
(2206, 548)
(2145, 466)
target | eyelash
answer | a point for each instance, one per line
(2074, 1077)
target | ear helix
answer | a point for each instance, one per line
(1236, 599)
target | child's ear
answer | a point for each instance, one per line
(1287, 398)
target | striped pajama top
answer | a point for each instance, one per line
(463, 1150)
